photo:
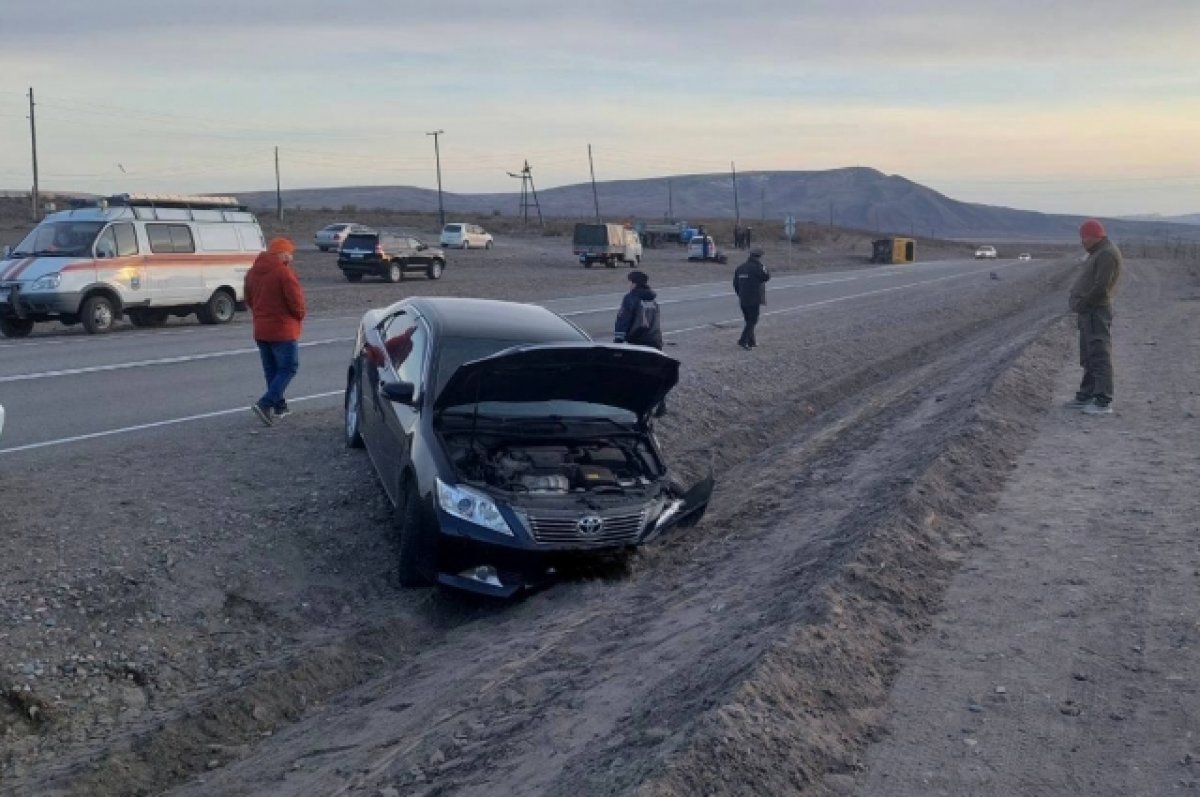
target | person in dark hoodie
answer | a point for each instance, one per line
(276, 301)
(750, 285)
(1091, 300)
(638, 321)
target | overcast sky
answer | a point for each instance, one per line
(1081, 106)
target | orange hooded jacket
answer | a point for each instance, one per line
(275, 298)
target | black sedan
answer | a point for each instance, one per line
(506, 438)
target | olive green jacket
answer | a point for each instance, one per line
(1097, 281)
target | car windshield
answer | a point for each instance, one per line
(63, 238)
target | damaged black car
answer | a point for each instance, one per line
(506, 439)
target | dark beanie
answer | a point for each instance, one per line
(639, 278)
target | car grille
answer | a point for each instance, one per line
(564, 528)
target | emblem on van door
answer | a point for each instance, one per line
(135, 282)
(590, 525)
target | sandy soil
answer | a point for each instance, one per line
(212, 611)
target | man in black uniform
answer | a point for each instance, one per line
(750, 285)
(638, 321)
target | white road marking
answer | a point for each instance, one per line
(185, 358)
(156, 424)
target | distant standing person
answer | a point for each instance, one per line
(750, 285)
(276, 301)
(1091, 300)
(638, 320)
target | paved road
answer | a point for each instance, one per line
(60, 390)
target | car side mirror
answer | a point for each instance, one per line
(399, 392)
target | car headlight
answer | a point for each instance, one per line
(471, 506)
(46, 283)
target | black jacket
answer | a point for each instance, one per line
(750, 282)
(651, 336)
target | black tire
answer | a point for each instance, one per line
(487, 245)
(353, 276)
(611, 262)
(146, 317)
(98, 314)
(414, 555)
(15, 327)
(219, 308)
(587, 264)
(434, 272)
(395, 272)
(352, 414)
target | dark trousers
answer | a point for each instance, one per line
(280, 361)
(750, 313)
(1095, 354)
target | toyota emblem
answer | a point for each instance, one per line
(590, 525)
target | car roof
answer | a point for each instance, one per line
(490, 318)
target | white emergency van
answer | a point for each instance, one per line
(147, 256)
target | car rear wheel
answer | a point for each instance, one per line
(219, 308)
(98, 314)
(434, 272)
(353, 276)
(414, 557)
(395, 272)
(15, 327)
(353, 416)
(487, 245)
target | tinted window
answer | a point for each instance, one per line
(106, 244)
(360, 241)
(452, 228)
(405, 340)
(169, 238)
(126, 240)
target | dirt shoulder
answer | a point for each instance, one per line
(1065, 661)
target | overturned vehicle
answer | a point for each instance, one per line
(507, 440)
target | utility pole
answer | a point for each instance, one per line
(528, 189)
(35, 196)
(762, 198)
(737, 210)
(670, 202)
(831, 214)
(278, 191)
(437, 154)
(595, 196)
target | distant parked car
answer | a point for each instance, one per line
(1024, 256)
(334, 235)
(1, 419)
(985, 253)
(459, 235)
(388, 255)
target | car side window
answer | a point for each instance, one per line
(169, 238)
(106, 244)
(126, 239)
(405, 339)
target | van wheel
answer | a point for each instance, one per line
(611, 262)
(395, 272)
(414, 557)
(98, 314)
(148, 318)
(434, 272)
(466, 244)
(219, 308)
(15, 327)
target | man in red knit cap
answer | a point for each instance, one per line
(276, 301)
(1091, 300)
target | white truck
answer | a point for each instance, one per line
(609, 244)
(147, 256)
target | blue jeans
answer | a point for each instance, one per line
(280, 361)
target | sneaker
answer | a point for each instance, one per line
(1096, 408)
(281, 412)
(262, 414)
(1078, 403)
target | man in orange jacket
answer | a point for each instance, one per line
(276, 301)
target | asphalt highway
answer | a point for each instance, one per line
(59, 390)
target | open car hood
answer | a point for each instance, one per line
(633, 378)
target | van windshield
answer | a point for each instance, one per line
(61, 238)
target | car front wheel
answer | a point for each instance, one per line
(487, 245)
(98, 314)
(414, 558)
(395, 272)
(434, 272)
(353, 414)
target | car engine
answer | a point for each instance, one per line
(591, 466)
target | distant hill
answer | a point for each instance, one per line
(856, 197)
(1189, 218)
